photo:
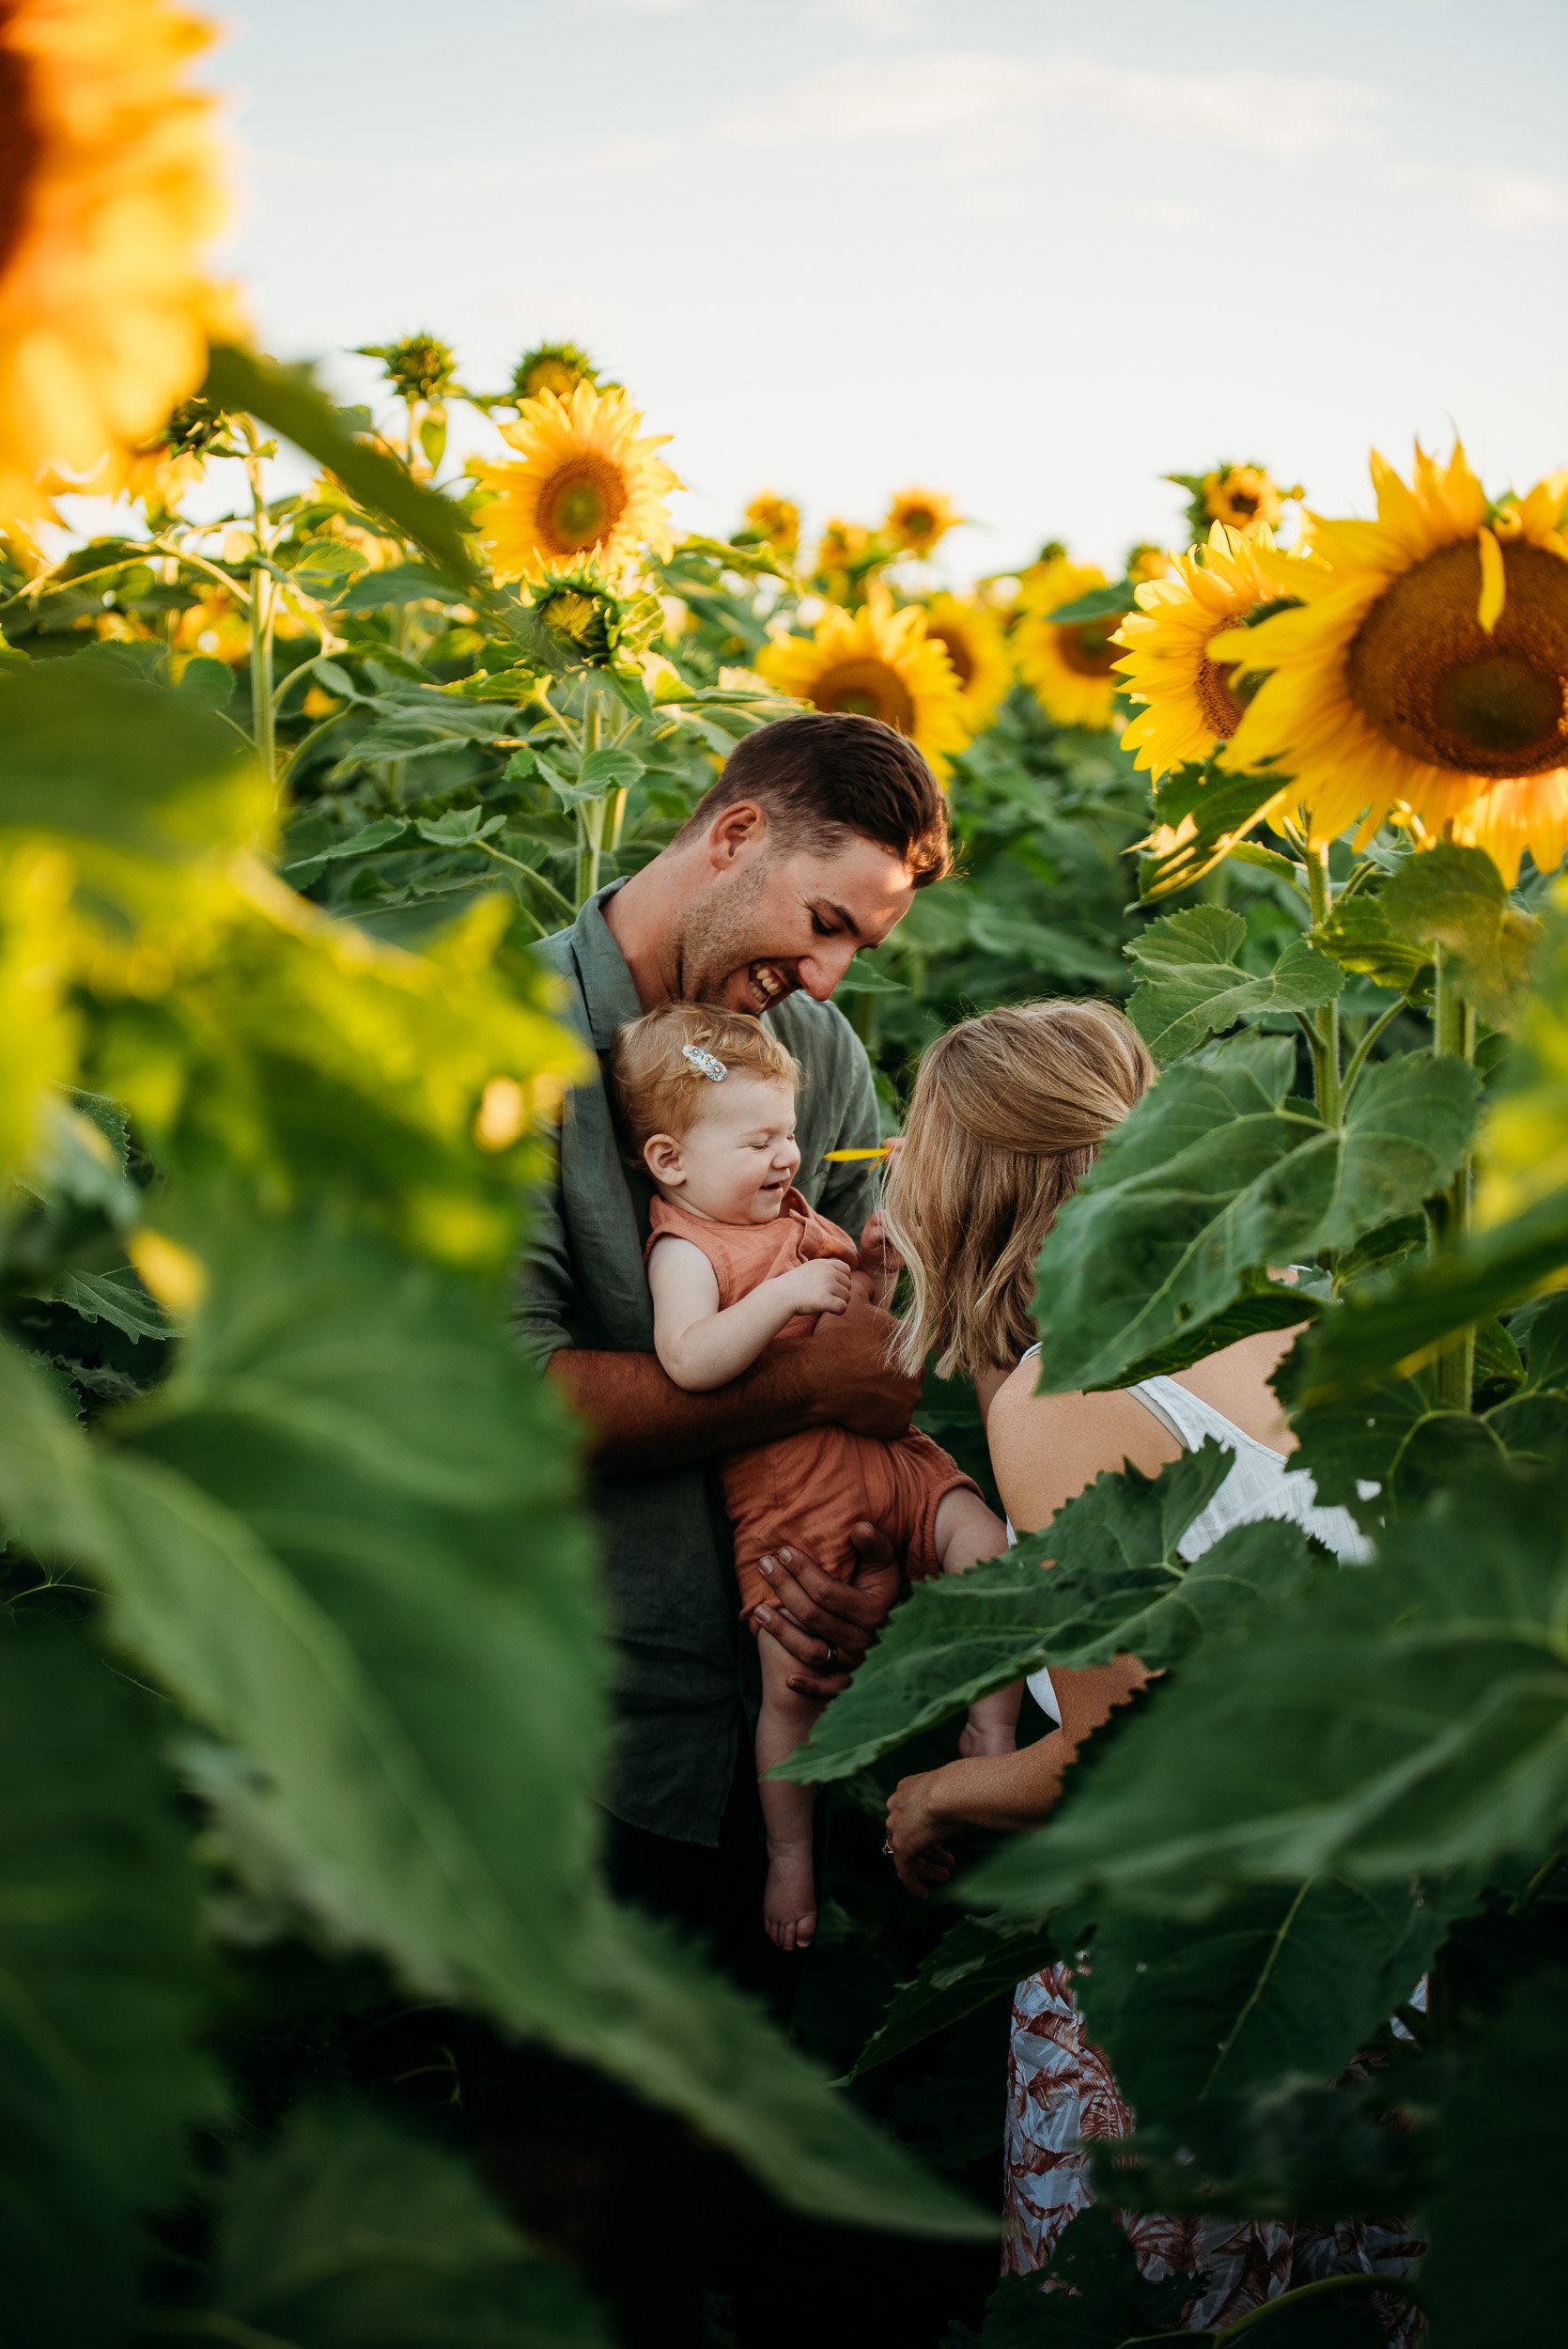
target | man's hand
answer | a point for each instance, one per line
(827, 1624)
(842, 1374)
(880, 1259)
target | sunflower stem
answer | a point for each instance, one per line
(1326, 1021)
(1454, 1037)
(264, 593)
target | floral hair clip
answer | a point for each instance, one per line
(705, 1063)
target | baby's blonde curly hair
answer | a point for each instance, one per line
(658, 1089)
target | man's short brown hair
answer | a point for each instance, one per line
(823, 775)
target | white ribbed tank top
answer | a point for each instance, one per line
(1261, 1484)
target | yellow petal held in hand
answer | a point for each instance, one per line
(875, 663)
(1191, 704)
(919, 520)
(109, 189)
(583, 484)
(1425, 674)
(976, 642)
(1071, 668)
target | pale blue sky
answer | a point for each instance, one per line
(1034, 255)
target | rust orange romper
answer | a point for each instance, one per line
(811, 1488)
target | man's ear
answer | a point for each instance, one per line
(661, 1156)
(736, 832)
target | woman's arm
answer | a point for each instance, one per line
(1045, 1450)
(1005, 1792)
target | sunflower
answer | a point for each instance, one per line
(976, 642)
(557, 367)
(919, 520)
(844, 553)
(587, 488)
(1070, 667)
(777, 521)
(1425, 674)
(1147, 561)
(420, 367)
(108, 189)
(875, 663)
(1192, 702)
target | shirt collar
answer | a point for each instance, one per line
(609, 993)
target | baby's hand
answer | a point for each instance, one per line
(821, 1286)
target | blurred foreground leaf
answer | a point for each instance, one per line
(342, 1535)
(346, 2232)
(100, 1985)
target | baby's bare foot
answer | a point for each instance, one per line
(789, 1903)
(986, 1737)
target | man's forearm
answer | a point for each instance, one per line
(641, 1421)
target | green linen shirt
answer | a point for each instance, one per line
(665, 1542)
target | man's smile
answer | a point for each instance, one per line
(770, 982)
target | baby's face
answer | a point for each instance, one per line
(738, 1158)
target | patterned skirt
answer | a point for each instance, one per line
(1061, 2091)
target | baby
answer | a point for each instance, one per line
(737, 1262)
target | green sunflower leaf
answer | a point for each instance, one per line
(1191, 985)
(1400, 1719)
(1215, 1177)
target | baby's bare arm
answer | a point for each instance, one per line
(702, 1346)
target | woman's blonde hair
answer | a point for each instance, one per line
(1009, 1112)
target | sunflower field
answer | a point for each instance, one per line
(305, 1683)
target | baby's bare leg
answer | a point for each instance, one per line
(789, 1903)
(966, 1532)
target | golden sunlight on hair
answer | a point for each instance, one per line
(1008, 1113)
(660, 1090)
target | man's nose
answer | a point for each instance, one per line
(821, 971)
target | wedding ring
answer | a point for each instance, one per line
(831, 1659)
(886, 1848)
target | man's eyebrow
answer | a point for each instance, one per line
(842, 915)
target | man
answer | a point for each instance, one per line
(807, 852)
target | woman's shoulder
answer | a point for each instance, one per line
(1045, 1448)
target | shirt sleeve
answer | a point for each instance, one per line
(850, 1193)
(542, 1317)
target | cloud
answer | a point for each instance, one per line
(1509, 200)
(976, 93)
(882, 19)
(1515, 199)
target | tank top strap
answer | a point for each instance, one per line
(1179, 1409)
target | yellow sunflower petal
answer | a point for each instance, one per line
(875, 663)
(1425, 674)
(109, 190)
(1192, 699)
(1071, 668)
(584, 487)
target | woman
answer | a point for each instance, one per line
(1008, 1113)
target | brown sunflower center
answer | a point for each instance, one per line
(919, 522)
(866, 688)
(1423, 671)
(581, 502)
(1220, 699)
(956, 651)
(1086, 647)
(18, 143)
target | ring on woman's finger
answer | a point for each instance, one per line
(831, 1659)
(886, 1848)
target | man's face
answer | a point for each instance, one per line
(778, 919)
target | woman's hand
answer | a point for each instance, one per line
(916, 1825)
